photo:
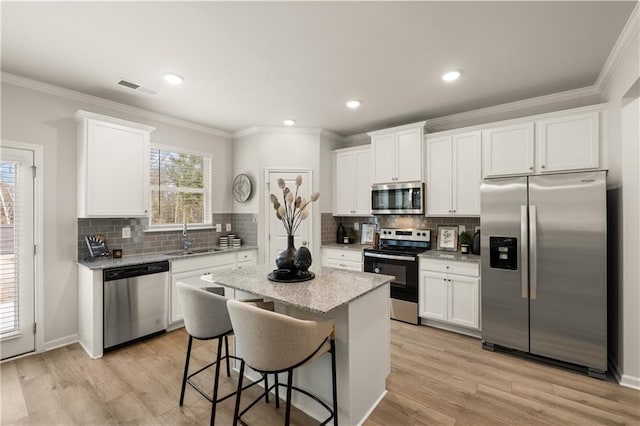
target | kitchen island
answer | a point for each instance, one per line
(358, 302)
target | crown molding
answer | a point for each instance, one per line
(51, 89)
(625, 39)
(356, 139)
(513, 106)
(397, 128)
(286, 130)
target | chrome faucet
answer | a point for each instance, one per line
(185, 240)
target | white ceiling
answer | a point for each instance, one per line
(248, 64)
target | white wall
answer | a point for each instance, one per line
(44, 119)
(624, 212)
(288, 149)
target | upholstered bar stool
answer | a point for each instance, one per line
(205, 318)
(270, 342)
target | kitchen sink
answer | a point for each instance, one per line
(190, 251)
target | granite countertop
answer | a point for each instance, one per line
(451, 255)
(354, 246)
(156, 257)
(330, 288)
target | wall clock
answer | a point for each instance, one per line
(241, 188)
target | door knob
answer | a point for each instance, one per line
(304, 243)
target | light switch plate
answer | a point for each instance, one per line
(218, 227)
(477, 228)
(126, 232)
(228, 227)
(461, 228)
(356, 226)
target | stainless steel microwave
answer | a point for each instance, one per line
(398, 198)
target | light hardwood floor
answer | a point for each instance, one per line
(437, 378)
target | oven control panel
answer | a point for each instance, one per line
(406, 234)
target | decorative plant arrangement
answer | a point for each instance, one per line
(465, 240)
(292, 211)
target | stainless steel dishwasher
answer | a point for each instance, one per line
(135, 302)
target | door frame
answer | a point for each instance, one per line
(38, 235)
(267, 206)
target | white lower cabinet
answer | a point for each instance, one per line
(449, 292)
(342, 259)
(191, 269)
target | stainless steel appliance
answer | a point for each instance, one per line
(544, 288)
(398, 198)
(397, 255)
(135, 302)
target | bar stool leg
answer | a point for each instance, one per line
(186, 371)
(215, 383)
(287, 417)
(333, 379)
(226, 351)
(266, 388)
(277, 391)
(238, 394)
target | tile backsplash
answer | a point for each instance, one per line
(242, 225)
(330, 224)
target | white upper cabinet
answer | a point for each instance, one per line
(397, 153)
(453, 174)
(113, 167)
(353, 182)
(568, 143)
(508, 150)
(555, 142)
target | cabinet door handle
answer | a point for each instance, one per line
(543, 167)
(530, 167)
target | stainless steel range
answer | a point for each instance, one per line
(397, 255)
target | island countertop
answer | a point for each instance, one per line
(329, 289)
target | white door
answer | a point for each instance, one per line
(384, 154)
(467, 151)
(463, 301)
(277, 235)
(345, 184)
(439, 176)
(409, 155)
(434, 296)
(508, 150)
(362, 164)
(17, 334)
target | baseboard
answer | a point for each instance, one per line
(451, 327)
(373, 407)
(625, 380)
(58, 343)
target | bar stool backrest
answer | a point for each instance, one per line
(269, 341)
(205, 314)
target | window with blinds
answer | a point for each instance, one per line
(9, 294)
(180, 184)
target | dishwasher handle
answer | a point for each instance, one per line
(124, 272)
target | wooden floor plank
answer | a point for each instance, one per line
(437, 378)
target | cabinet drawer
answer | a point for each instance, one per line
(450, 267)
(337, 254)
(244, 256)
(344, 264)
(202, 262)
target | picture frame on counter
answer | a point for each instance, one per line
(447, 238)
(367, 233)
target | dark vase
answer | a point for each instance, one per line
(303, 260)
(286, 258)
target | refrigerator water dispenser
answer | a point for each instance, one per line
(503, 252)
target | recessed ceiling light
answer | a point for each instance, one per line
(289, 122)
(353, 104)
(451, 75)
(173, 78)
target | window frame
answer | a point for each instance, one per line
(207, 190)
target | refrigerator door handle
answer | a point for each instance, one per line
(533, 251)
(524, 246)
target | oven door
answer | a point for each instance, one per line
(404, 268)
(401, 198)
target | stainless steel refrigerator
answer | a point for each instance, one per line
(544, 270)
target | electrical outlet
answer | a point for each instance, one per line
(356, 226)
(228, 227)
(218, 227)
(126, 232)
(461, 228)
